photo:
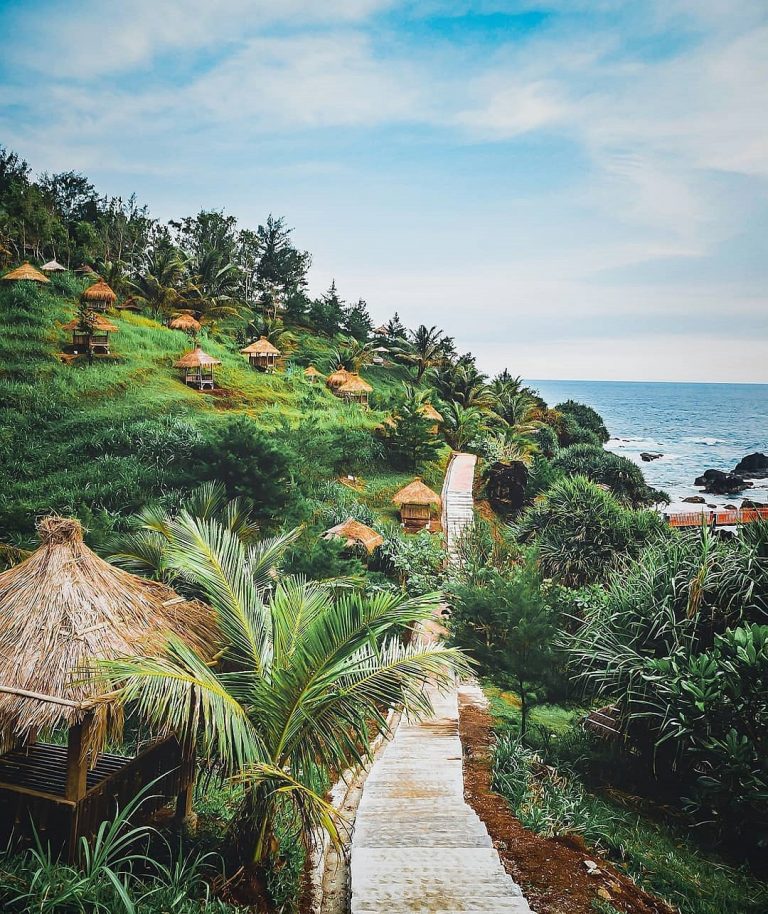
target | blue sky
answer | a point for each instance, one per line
(571, 189)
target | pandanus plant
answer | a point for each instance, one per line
(302, 676)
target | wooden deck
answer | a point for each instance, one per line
(726, 518)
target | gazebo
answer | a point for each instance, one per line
(415, 502)
(25, 273)
(337, 378)
(312, 374)
(354, 390)
(129, 304)
(97, 340)
(62, 610)
(53, 266)
(198, 368)
(355, 533)
(186, 322)
(262, 354)
(99, 296)
(429, 412)
(85, 270)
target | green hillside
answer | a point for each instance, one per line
(100, 440)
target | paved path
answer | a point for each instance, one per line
(417, 846)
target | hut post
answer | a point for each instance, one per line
(77, 758)
(185, 813)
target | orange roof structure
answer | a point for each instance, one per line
(53, 266)
(186, 322)
(100, 291)
(354, 385)
(312, 372)
(355, 533)
(429, 412)
(25, 273)
(337, 378)
(416, 493)
(196, 359)
(261, 346)
(98, 323)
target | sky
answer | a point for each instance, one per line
(571, 189)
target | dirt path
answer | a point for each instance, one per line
(550, 871)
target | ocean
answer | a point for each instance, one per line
(695, 427)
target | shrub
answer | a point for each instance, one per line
(580, 416)
(623, 477)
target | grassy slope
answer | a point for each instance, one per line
(81, 439)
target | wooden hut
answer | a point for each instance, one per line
(95, 340)
(354, 390)
(85, 270)
(262, 354)
(337, 378)
(429, 412)
(312, 374)
(53, 266)
(129, 304)
(198, 368)
(186, 322)
(415, 502)
(62, 610)
(25, 273)
(99, 296)
(355, 533)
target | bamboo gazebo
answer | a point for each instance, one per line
(186, 322)
(312, 374)
(25, 273)
(95, 338)
(337, 378)
(355, 533)
(354, 390)
(62, 610)
(262, 354)
(99, 296)
(416, 501)
(197, 367)
(53, 266)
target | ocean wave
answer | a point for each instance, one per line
(634, 444)
(708, 442)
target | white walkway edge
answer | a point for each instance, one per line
(417, 846)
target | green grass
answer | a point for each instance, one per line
(661, 858)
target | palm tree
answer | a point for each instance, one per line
(463, 383)
(300, 674)
(157, 285)
(353, 354)
(273, 329)
(425, 348)
(462, 424)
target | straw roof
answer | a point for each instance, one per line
(337, 378)
(312, 372)
(26, 272)
(64, 608)
(353, 385)
(129, 304)
(416, 493)
(86, 269)
(186, 322)
(196, 359)
(354, 532)
(262, 346)
(98, 321)
(100, 291)
(53, 266)
(429, 412)
(381, 330)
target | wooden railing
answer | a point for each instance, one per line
(726, 518)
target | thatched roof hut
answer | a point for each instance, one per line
(198, 368)
(354, 390)
(99, 296)
(262, 354)
(53, 266)
(99, 324)
(25, 273)
(64, 608)
(337, 378)
(86, 270)
(312, 374)
(429, 412)
(128, 304)
(355, 533)
(416, 501)
(186, 322)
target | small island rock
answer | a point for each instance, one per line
(717, 482)
(694, 500)
(648, 456)
(755, 466)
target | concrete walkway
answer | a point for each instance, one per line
(417, 846)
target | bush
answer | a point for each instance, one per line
(624, 478)
(585, 418)
(581, 531)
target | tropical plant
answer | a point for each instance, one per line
(411, 437)
(623, 477)
(425, 348)
(299, 677)
(462, 424)
(585, 418)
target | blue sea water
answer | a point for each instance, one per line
(695, 427)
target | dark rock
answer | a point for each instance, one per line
(648, 456)
(731, 508)
(716, 482)
(506, 486)
(694, 500)
(748, 503)
(754, 466)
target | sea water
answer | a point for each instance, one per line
(694, 426)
